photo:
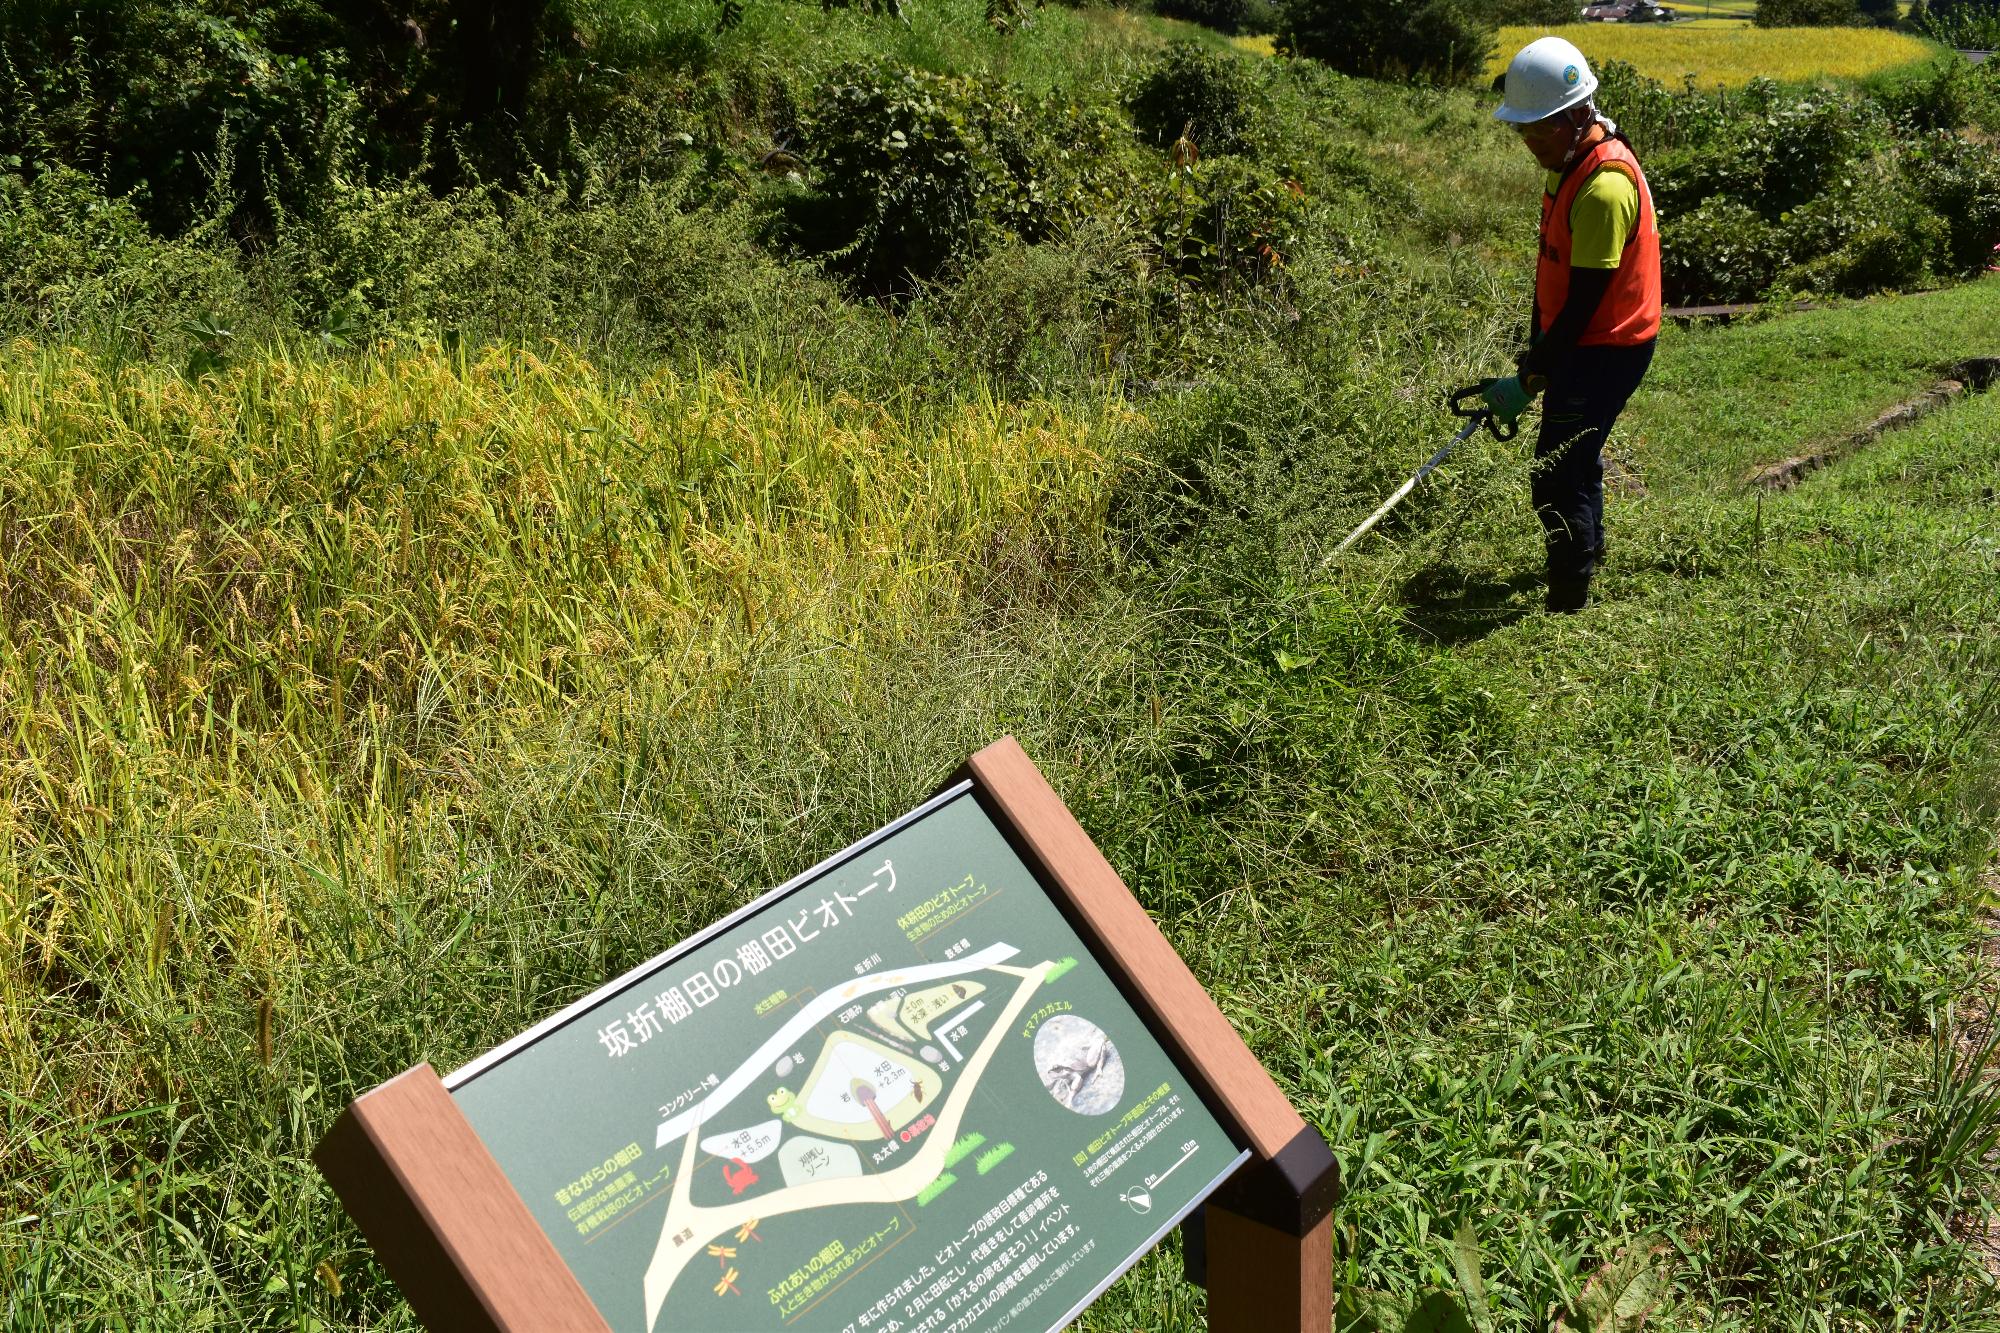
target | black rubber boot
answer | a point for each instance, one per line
(1568, 595)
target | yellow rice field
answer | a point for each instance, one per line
(1725, 57)
(1715, 9)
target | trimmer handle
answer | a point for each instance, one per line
(1480, 412)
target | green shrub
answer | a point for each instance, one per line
(1684, 179)
(1959, 181)
(1878, 256)
(1439, 41)
(1035, 318)
(1721, 251)
(1771, 148)
(1655, 117)
(1951, 93)
(638, 265)
(77, 264)
(915, 174)
(903, 171)
(1212, 95)
(1970, 24)
(1223, 15)
(1535, 13)
(1813, 143)
(1806, 13)
(1871, 235)
(153, 99)
(1227, 222)
(1827, 192)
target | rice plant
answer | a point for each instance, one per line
(1719, 57)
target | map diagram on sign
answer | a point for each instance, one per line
(899, 1093)
(858, 1097)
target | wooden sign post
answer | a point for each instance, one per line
(962, 1033)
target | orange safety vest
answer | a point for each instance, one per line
(1630, 312)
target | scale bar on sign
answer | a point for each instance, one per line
(1153, 1182)
(952, 1022)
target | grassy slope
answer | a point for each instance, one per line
(1773, 388)
(1575, 928)
(1647, 932)
(1640, 920)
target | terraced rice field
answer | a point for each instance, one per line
(1719, 56)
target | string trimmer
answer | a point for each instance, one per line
(1475, 417)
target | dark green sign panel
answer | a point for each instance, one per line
(898, 1094)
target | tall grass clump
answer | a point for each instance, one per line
(351, 532)
(289, 652)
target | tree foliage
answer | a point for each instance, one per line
(152, 97)
(1533, 13)
(1971, 24)
(1807, 13)
(1210, 95)
(1441, 41)
(1222, 15)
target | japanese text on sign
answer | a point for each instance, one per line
(700, 989)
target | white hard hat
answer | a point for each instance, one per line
(1549, 75)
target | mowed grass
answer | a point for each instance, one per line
(1729, 57)
(1717, 407)
(1647, 920)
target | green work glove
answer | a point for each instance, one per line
(1507, 398)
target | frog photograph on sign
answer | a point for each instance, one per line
(886, 1096)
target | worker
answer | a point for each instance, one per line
(1597, 302)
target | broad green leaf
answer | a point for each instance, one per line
(1438, 1312)
(1363, 1311)
(1465, 1266)
(1621, 1294)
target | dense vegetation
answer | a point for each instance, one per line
(444, 558)
(1769, 190)
(1827, 13)
(1971, 24)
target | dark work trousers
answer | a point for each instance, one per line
(1585, 395)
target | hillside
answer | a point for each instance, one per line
(426, 598)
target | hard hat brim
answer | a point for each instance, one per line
(1582, 93)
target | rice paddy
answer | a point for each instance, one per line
(1729, 57)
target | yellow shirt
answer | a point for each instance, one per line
(1602, 217)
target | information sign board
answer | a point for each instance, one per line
(952, 1079)
(899, 1093)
